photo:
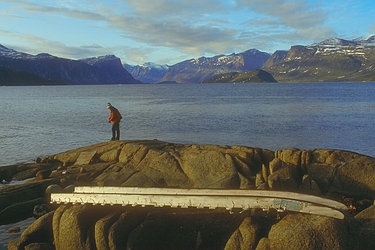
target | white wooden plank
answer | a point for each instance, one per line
(214, 192)
(198, 201)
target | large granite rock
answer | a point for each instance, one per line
(303, 231)
(328, 173)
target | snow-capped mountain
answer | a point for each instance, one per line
(332, 60)
(338, 42)
(98, 70)
(148, 72)
(198, 70)
(5, 50)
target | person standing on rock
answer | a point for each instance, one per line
(115, 117)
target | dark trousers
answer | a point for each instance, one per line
(116, 128)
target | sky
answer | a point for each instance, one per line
(171, 31)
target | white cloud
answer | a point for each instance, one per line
(298, 15)
(64, 11)
(176, 33)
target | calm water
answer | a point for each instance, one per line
(38, 121)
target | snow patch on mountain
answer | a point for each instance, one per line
(98, 59)
(338, 42)
(152, 65)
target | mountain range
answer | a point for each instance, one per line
(51, 70)
(330, 60)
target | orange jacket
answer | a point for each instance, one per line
(115, 116)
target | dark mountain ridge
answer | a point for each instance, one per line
(252, 76)
(98, 70)
(12, 77)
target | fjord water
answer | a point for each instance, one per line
(44, 120)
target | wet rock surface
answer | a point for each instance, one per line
(340, 175)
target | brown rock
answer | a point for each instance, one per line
(274, 181)
(73, 226)
(264, 244)
(102, 227)
(291, 156)
(246, 183)
(14, 244)
(119, 232)
(338, 157)
(275, 165)
(303, 231)
(82, 170)
(54, 188)
(365, 233)
(267, 155)
(43, 174)
(37, 236)
(115, 175)
(306, 159)
(85, 158)
(185, 229)
(288, 176)
(309, 186)
(259, 179)
(321, 155)
(245, 168)
(13, 230)
(40, 246)
(19, 211)
(245, 237)
(70, 157)
(357, 176)
(209, 169)
(39, 231)
(265, 172)
(367, 215)
(6, 175)
(322, 173)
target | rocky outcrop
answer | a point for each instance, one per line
(341, 175)
(18, 201)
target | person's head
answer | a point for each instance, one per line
(109, 106)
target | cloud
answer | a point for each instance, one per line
(192, 9)
(93, 46)
(32, 44)
(187, 26)
(296, 17)
(175, 33)
(51, 10)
